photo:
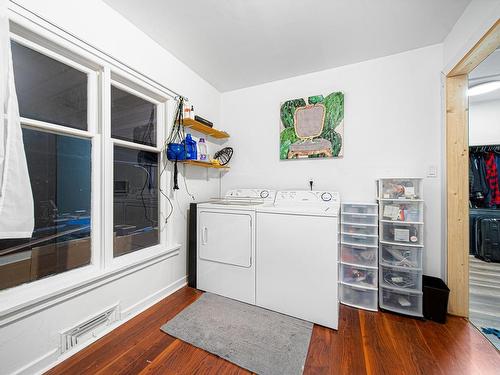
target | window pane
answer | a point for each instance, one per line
(132, 118)
(48, 90)
(135, 200)
(60, 169)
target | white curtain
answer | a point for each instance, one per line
(16, 198)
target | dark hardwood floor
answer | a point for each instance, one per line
(366, 343)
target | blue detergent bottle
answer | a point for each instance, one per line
(190, 145)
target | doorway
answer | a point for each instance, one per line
(484, 197)
(457, 170)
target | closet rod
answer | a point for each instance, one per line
(91, 49)
(485, 148)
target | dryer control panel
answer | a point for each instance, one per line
(259, 194)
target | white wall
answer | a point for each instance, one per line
(31, 343)
(477, 19)
(484, 123)
(392, 128)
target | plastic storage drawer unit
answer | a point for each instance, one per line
(360, 276)
(367, 230)
(403, 302)
(350, 218)
(358, 239)
(400, 188)
(401, 256)
(402, 233)
(399, 277)
(360, 208)
(359, 297)
(359, 255)
(401, 211)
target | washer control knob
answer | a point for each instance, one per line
(326, 197)
(264, 194)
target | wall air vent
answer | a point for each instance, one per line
(88, 329)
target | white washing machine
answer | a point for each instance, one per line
(226, 243)
(297, 255)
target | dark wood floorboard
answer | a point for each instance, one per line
(367, 343)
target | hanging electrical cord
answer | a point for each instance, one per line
(171, 211)
(186, 186)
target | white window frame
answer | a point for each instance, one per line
(102, 71)
(122, 81)
(92, 134)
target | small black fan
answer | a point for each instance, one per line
(224, 155)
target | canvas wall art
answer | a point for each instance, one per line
(312, 127)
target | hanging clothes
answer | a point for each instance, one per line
(497, 159)
(479, 189)
(16, 198)
(492, 178)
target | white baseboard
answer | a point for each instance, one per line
(150, 300)
(53, 358)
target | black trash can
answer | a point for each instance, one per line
(436, 294)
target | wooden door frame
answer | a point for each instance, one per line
(457, 170)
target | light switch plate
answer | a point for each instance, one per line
(432, 171)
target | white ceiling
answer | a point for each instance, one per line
(240, 43)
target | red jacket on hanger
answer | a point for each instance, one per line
(492, 177)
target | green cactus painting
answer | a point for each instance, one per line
(312, 127)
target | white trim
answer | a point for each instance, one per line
(52, 358)
(54, 128)
(136, 146)
(15, 307)
(38, 44)
(43, 360)
(107, 170)
(135, 88)
(7, 235)
(95, 202)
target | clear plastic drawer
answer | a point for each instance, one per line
(404, 278)
(350, 218)
(360, 208)
(370, 230)
(406, 211)
(359, 297)
(401, 256)
(360, 276)
(359, 239)
(409, 303)
(400, 188)
(402, 233)
(360, 255)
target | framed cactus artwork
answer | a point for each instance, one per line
(312, 127)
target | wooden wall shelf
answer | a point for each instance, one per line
(202, 128)
(203, 164)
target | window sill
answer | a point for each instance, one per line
(26, 299)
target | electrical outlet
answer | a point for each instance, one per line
(432, 171)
